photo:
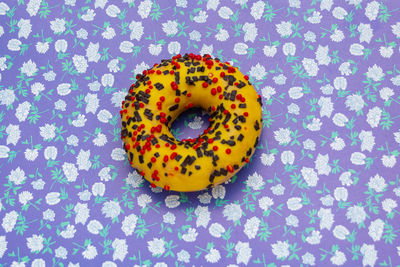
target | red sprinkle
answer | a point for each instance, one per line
(141, 105)
(153, 159)
(173, 155)
(219, 89)
(177, 100)
(228, 151)
(127, 146)
(162, 98)
(166, 187)
(213, 91)
(210, 141)
(246, 114)
(205, 84)
(171, 72)
(229, 168)
(247, 160)
(222, 74)
(153, 185)
(215, 148)
(166, 158)
(246, 77)
(142, 173)
(188, 94)
(157, 145)
(233, 106)
(198, 57)
(221, 96)
(158, 72)
(176, 168)
(215, 80)
(226, 126)
(226, 111)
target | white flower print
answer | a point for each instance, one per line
(213, 256)
(9, 221)
(111, 209)
(374, 116)
(35, 243)
(356, 214)
(389, 204)
(375, 229)
(396, 29)
(90, 252)
(183, 255)
(375, 73)
(340, 232)
(283, 136)
(284, 29)
(156, 246)
(14, 134)
(371, 10)
(310, 176)
(280, 249)
(267, 159)
(257, 9)
(255, 181)
(354, 102)
(370, 255)
(57, 26)
(201, 17)
(29, 68)
(310, 66)
(170, 27)
(80, 63)
(366, 32)
(339, 258)
(250, 30)
(232, 212)
(144, 8)
(251, 227)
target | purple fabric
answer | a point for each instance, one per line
(322, 188)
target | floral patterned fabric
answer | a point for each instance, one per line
(323, 187)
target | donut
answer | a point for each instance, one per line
(157, 98)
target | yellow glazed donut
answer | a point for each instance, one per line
(166, 90)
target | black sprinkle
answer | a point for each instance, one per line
(242, 105)
(238, 127)
(137, 116)
(174, 107)
(183, 170)
(199, 154)
(228, 116)
(197, 167)
(159, 86)
(178, 158)
(141, 159)
(256, 125)
(241, 84)
(240, 137)
(223, 171)
(248, 153)
(233, 95)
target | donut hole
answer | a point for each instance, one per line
(190, 124)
